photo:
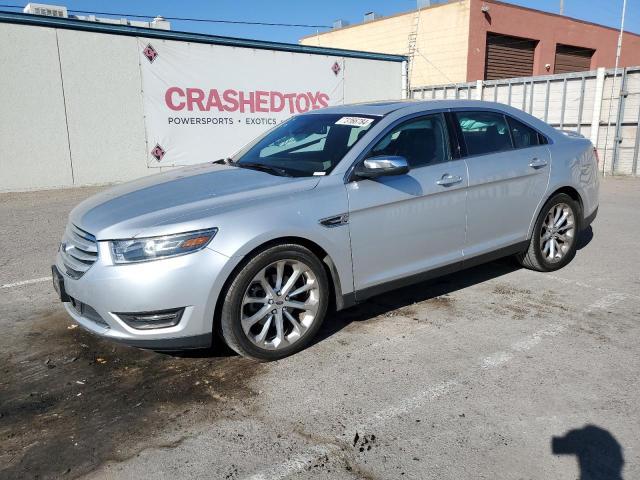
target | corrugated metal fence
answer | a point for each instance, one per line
(596, 104)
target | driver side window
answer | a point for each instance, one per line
(422, 141)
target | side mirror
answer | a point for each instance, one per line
(384, 165)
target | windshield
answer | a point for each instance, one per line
(305, 145)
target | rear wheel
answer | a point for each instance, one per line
(553, 242)
(276, 303)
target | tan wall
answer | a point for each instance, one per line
(442, 41)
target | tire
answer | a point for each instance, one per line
(250, 304)
(543, 254)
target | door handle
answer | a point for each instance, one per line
(538, 163)
(448, 180)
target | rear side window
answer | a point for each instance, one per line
(484, 132)
(422, 141)
(523, 135)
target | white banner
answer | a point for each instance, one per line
(204, 102)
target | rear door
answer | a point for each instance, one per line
(509, 165)
(406, 224)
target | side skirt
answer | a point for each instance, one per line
(362, 295)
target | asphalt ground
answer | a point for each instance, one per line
(494, 372)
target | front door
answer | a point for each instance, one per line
(407, 224)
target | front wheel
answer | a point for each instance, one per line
(275, 304)
(553, 242)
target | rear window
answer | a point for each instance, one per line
(523, 135)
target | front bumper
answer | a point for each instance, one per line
(191, 281)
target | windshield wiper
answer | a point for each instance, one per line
(281, 172)
(224, 161)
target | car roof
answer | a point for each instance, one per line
(401, 107)
(386, 107)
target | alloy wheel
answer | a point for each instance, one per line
(280, 304)
(557, 233)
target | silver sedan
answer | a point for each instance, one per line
(322, 212)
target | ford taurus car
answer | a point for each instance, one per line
(325, 210)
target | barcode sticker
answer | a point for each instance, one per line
(355, 121)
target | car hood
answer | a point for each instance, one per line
(178, 200)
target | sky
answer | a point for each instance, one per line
(318, 12)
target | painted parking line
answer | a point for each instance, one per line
(295, 464)
(578, 283)
(26, 282)
(300, 462)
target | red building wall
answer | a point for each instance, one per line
(549, 29)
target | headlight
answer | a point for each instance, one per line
(155, 248)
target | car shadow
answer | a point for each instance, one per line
(420, 292)
(393, 300)
(584, 238)
(598, 453)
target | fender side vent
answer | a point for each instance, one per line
(335, 221)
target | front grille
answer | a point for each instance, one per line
(79, 250)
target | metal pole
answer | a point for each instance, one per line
(546, 101)
(561, 7)
(613, 82)
(564, 102)
(636, 148)
(531, 98)
(597, 106)
(617, 136)
(581, 106)
(406, 86)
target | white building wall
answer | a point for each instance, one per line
(368, 80)
(72, 111)
(104, 107)
(34, 151)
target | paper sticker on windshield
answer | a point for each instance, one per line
(355, 121)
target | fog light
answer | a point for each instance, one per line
(149, 320)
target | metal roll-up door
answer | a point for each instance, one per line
(508, 57)
(572, 59)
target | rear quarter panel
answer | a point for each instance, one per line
(573, 164)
